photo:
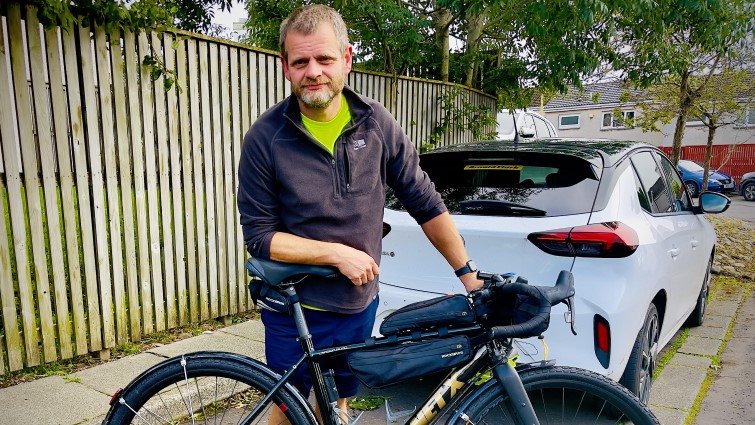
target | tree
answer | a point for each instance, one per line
(720, 104)
(683, 48)
(189, 15)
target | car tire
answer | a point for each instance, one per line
(697, 316)
(748, 191)
(638, 375)
(692, 188)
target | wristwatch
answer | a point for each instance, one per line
(468, 267)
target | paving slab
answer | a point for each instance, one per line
(677, 387)
(722, 308)
(709, 332)
(215, 341)
(700, 362)
(108, 377)
(50, 401)
(717, 321)
(700, 346)
(668, 416)
(251, 329)
(730, 398)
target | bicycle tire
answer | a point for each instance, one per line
(206, 388)
(559, 395)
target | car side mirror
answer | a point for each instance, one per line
(714, 203)
(527, 132)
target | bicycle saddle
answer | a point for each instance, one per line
(276, 273)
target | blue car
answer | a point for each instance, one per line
(692, 174)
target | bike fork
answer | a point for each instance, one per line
(512, 385)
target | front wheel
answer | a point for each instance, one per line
(559, 395)
(748, 191)
(203, 388)
(692, 188)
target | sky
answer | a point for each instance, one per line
(227, 19)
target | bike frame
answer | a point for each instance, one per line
(457, 386)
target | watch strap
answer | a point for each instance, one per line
(468, 267)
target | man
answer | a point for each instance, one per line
(311, 191)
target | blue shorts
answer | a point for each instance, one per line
(282, 349)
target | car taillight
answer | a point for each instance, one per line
(386, 228)
(608, 240)
(602, 334)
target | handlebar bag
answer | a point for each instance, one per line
(384, 366)
(445, 311)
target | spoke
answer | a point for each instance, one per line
(143, 419)
(188, 390)
(201, 402)
(579, 406)
(545, 407)
(601, 411)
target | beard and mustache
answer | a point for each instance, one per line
(319, 99)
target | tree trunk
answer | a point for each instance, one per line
(685, 104)
(442, 24)
(708, 157)
(474, 33)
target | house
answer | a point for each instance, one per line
(591, 113)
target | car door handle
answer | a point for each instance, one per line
(694, 243)
(674, 252)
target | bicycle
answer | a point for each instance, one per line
(484, 385)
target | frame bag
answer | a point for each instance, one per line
(384, 366)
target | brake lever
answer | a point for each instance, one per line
(571, 319)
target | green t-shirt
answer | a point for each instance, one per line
(326, 132)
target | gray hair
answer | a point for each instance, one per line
(306, 19)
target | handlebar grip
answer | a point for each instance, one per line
(535, 325)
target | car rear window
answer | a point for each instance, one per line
(497, 183)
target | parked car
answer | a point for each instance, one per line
(615, 214)
(747, 186)
(692, 174)
(529, 124)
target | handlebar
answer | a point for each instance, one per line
(541, 297)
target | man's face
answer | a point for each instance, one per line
(316, 67)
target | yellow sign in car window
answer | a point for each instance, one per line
(493, 167)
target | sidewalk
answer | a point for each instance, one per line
(84, 400)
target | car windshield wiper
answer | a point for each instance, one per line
(494, 207)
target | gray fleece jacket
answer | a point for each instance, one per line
(288, 182)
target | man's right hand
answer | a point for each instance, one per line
(356, 265)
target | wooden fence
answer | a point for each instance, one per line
(117, 196)
(734, 160)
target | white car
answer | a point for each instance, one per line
(529, 124)
(615, 214)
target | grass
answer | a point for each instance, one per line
(370, 402)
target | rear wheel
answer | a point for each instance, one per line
(638, 376)
(205, 388)
(559, 395)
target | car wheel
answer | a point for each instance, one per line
(638, 376)
(749, 192)
(697, 316)
(692, 188)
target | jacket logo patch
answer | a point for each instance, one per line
(359, 144)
